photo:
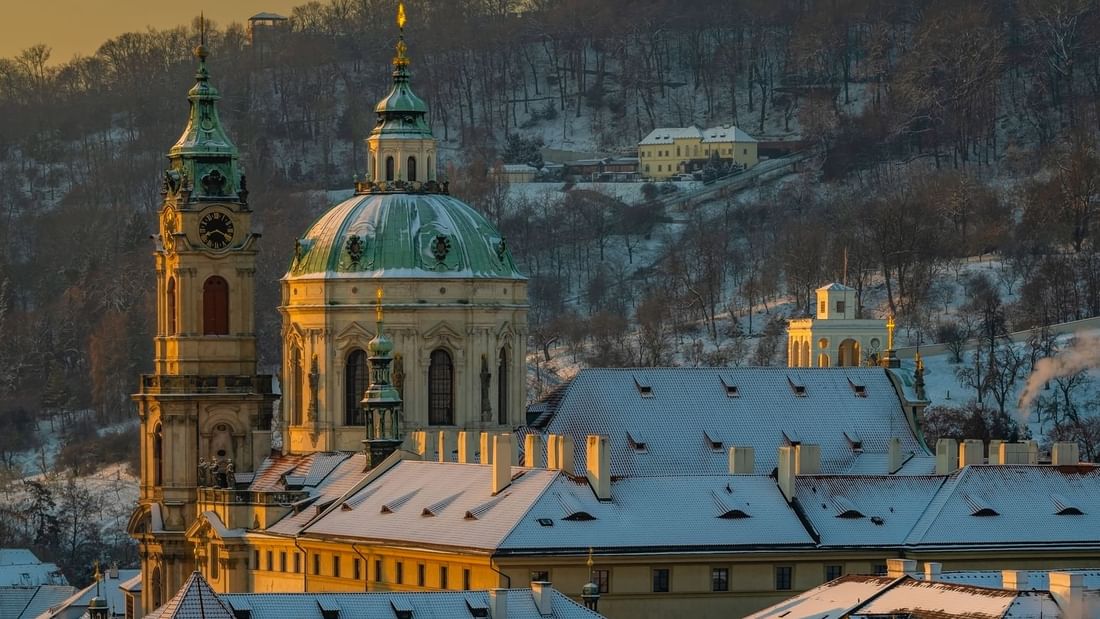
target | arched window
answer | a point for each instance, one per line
(215, 306)
(170, 301)
(356, 381)
(296, 386)
(158, 456)
(412, 168)
(389, 168)
(157, 587)
(441, 389)
(502, 388)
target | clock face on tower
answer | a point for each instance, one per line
(216, 230)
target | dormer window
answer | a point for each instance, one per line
(644, 389)
(712, 439)
(636, 442)
(730, 387)
(859, 390)
(799, 390)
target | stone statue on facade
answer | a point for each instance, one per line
(230, 474)
(202, 481)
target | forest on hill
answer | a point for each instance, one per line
(943, 129)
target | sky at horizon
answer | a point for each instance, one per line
(71, 27)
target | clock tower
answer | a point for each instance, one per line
(204, 406)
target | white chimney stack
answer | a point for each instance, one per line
(1065, 453)
(972, 451)
(1068, 589)
(807, 459)
(1032, 451)
(947, 456)
(466, 447)
(534, 452)
(599, 466)
(1014, 580)
(559, 453)
(1014, 453)
(498, 600)
(502, 464)
(446, 440)
(896, 568)
(486, 447)
(543, 593)
(932, 571)
(995, 451)
(893, 450)
(742, 460)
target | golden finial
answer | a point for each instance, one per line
(378, 306)
(919, 361)
(97, 575)
(401, 60)
(590, 562)
(890, 326)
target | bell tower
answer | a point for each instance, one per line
(204, 402)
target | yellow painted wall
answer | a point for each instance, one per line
(660, 161)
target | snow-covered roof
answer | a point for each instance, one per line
(864, 510)
(690, 417)
(449, 604)
(1018, 505)
(20, 567)
(435, 503)
(835, 286)
(883, 596)
(665, 135)
(686, 513)
(518, 168)
(194, 600)
(1036, 579)
(110, 589)
(29, 602)
(267, 15)
(725, 134)
(331, 486)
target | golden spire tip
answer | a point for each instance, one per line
(401, 15)
(378, 306)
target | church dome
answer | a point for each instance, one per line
(400, 235)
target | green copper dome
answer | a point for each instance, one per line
(403, 235)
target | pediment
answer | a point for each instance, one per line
(443, 332)
(354, 332)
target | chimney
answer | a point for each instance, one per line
(1014, 453)
(559, 453)
(543, 593)
(113, 572)
(502, 466)
(995, 452)
(896, 568)
(486, 447)
(420, 443)
(1065, 453)
(1068, 589)
(498, 602)
(972, 451)
(807, 459)
(893, 451)
(466, 447)
(1032, 451)
(564, 453)
(785, 471)
(947, 456)
(446, 442)
(534, 454)
(1014, 580)
(932, 571)
(599, 466)
(742, 460)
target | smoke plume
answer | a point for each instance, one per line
(1083, 353)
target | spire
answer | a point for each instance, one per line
(381, 396)
(401, 98)
(204, 161)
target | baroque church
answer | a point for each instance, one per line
(401, 458)
(454, 302)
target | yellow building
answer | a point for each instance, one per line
(835, 337)
(668, 151)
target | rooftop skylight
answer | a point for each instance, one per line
(1064, 507)
(393, 505)
(978, 506)
(644, 388)
(799, 390)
